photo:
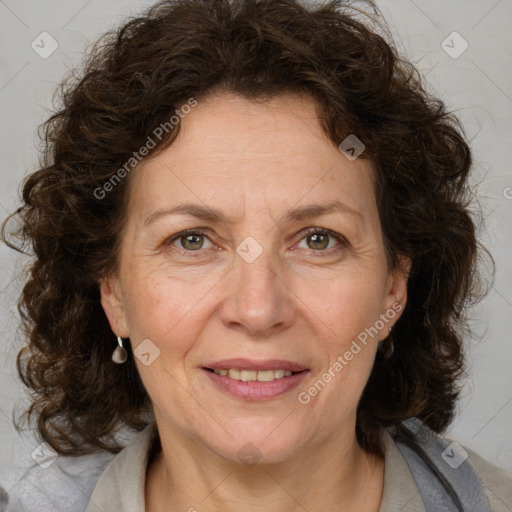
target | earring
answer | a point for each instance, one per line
(119, 356)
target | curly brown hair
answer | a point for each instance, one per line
(131, 81)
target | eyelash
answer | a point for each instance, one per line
(310, 231)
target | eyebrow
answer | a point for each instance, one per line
(210, 214)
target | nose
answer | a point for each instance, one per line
(259, 302)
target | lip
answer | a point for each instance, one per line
(248, 364)
(254, 390)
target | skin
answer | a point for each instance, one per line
(198, 304)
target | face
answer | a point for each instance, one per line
(261, 279)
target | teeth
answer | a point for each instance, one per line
(253, 375)
(265, 375)
(234, 374)
(247, 375)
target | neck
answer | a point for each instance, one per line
(334, 476)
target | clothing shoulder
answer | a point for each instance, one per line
(447, 472)
(62, 484)
(496, 482)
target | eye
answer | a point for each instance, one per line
(318, 239)
(190, 240)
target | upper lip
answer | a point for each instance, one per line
(248, 364)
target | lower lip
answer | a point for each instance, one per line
(254, 390)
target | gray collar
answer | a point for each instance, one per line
(121, 485)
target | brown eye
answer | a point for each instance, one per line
(320, 240)
(190, 241)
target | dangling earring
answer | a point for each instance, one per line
(119, 356)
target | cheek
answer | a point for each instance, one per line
(344, 316)
(342, 313)
(342, 306)
(165, 311)
(158, 307)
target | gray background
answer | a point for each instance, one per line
(477, 85)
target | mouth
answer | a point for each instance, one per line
(245, 375)
(250, 380)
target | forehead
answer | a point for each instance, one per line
(233, 150)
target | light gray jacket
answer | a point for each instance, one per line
(423, 473)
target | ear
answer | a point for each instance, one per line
(113, 306)
(395, 297)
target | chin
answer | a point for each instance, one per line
(263, 444)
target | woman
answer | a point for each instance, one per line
(253, 246)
